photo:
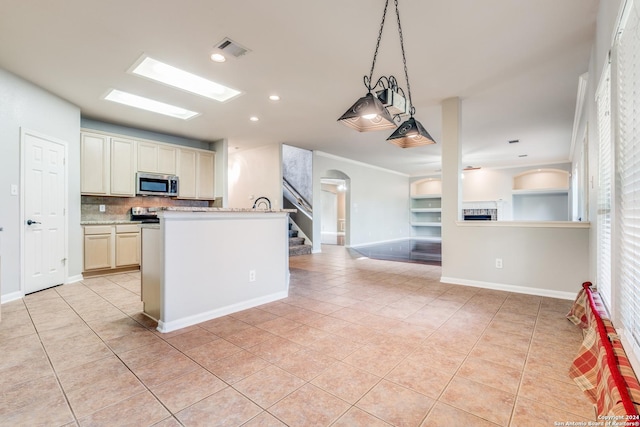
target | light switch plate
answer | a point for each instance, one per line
(14, 190)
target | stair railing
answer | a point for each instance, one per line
(298, 200)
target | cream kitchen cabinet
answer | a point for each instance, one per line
(95, 163)
(108, 247)
(187, 174)
(157, 158)
(196, 170)
(98, 247)
(123, 167)
(107, 165)
(127, 245)
(205, 188)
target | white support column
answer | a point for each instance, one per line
(451, 185)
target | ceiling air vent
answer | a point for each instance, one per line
(229, 47)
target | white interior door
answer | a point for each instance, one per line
(44, 211)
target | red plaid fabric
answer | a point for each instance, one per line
(601, 368)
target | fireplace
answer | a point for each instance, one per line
(480, 214)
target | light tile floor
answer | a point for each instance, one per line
(357, 343)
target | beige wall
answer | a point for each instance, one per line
(255, 173)
(26, 106)
(537, 258)
(376, 202)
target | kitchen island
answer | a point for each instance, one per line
(202, 263)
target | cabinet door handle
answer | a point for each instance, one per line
(29, 222)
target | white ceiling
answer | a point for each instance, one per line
(514, 63)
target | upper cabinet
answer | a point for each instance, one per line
(95, 164)
(196, 170)
(187, 161)
(206, 170)
(157, 158)
(123, 164)
(107, 165)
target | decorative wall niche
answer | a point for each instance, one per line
(541, 179)
(426, 186)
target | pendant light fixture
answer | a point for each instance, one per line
(410, 133)
(368, 113)
(371, 112)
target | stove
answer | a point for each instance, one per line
(143, 215)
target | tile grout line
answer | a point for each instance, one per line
(458, 368)
(44, 348)
(112, 351)
(524, 367)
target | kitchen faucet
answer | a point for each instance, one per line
(262, 200)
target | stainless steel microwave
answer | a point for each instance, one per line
(152, 184)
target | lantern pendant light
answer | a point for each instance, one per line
(369, 113)
(410, 133)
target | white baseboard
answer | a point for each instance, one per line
(74, 279)
(511, 288)
(218, 312)
(11, 297)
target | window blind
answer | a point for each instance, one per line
(628, 169)
(605, 169)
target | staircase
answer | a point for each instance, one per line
(296, 244)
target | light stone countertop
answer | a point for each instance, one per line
(109, 222)
(203, 209)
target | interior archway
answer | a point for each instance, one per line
(334, 207)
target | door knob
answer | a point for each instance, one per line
(29, 222)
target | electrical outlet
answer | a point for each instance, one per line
(102, 208)
(498, 262)
(252, 275)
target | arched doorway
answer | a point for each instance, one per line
(334, 209)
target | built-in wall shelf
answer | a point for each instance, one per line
(426, 196)
(425, 224)
(542, 191)
(426, 209)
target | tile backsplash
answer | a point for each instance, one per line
(119, 208)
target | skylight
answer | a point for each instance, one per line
(149, 104)
(172, 76)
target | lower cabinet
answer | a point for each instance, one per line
(111, 246)
(98, 247)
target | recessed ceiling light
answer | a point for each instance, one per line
(172, 76)
(254, 118)
(274, 97)
(218, 57)
(149, 104)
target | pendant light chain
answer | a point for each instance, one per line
(375, 55)
(373, 111)
(404, 59)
